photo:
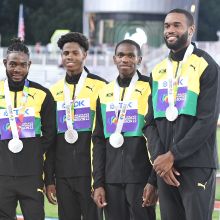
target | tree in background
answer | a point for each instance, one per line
(209, 18)
(43, 17)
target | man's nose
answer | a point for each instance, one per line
(125, 58)
(170, 29)
(18, 68)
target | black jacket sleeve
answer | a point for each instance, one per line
(150, 132)
(48, 121)
(153, 178)
(49, 166)
(99, 150)
(207, 114)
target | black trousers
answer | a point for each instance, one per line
(74, 199)
(28, 190)
(193, 199)
(125, 203)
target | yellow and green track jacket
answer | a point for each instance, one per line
(130, 162)
(73, 160)
(30, 160)
(191, 137)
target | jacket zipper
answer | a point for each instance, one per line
(122, 150)
(177, 68)
(15, 100)
(74, 90)
(15, 106)
(173, 123)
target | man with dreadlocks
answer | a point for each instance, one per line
(69, 162)
(27, 122)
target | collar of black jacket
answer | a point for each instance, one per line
(178, 56)
(75, 78)
(125, 82)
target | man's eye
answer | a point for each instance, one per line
(24, 65)
(12, 65)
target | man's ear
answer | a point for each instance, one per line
(139, 60)
(5, 62)
(85, 55)
(29, 64)
(114, 59)
(192, 30)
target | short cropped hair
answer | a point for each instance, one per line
(128, 41)
(74, 37)
(188, 15)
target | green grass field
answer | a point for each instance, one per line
(51, 210)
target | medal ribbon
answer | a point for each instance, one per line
(11, 116)
(68, 104)
(171, 79)
(121, 117)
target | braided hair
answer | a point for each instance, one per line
(74, 37)
(18, 45)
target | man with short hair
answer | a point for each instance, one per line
(27, 130)
(121, 167)
(181, 123)
(68, 164)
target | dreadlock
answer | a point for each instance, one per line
(18, 45)
(74, 37)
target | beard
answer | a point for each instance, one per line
(180, 42)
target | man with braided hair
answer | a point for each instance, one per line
(27, 122)
(68, 164)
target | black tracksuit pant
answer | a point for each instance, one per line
(74, 199)
(193, 199)
(125, 203)
(28, 190)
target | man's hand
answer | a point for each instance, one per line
(170, 179)
(99, 197)
(150, 195)
(51, 194)
(163, 163)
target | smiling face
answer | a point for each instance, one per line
(17, 65)
(73, 58)
(126, 59)
(177, 32)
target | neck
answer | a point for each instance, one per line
(76, 72)
(16, 86)
(178, 55)
(129, 76)
(181, 48)
(72, 79)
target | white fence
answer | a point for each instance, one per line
(45, 67)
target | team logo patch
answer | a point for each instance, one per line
(109, 94)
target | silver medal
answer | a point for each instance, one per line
(171, 113)
(15, 145)
(116, 140)
(71, 136)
